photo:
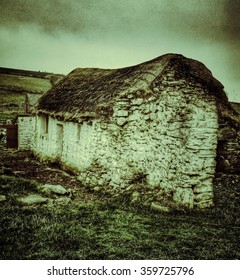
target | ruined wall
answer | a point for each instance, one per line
(26, 130)
(158, 146)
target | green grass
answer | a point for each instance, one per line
(13, 90)
(23, 83)
(11, 104)
(13, 187)
(14, 98)
(8, 115)
(110, 229)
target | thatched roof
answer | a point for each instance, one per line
(85, 90)
(236, 107)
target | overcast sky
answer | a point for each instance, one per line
(60, 35)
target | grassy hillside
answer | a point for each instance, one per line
(24, 84)
(15, 84)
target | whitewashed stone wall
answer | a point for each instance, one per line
(26, 130)
(44, 143)
(70, 145)
(78, 148)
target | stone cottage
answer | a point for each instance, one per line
(149, 131)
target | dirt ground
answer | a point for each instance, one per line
(23, 164)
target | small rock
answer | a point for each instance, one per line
(57, 189)
(121, 113)
(2, 198)
(156, 90)
(32, 199)
(18, 173)
(158, 207)
(130, 96)
(135, 196)
(207, 196)
(97, 189)
(203, 188)
(121, 121)
(137, 101)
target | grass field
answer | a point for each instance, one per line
(15, 86)
(24, 84)
(14, 98)
(110, 229)
(11, 104)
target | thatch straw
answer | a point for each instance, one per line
(84, 91)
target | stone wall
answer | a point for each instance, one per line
(158, 146)
(44, 142)
(26, 132)
(66, 142)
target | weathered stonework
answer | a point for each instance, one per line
(168, 142)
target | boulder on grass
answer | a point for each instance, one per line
(55, 189)
(32, 200)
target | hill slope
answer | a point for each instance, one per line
(15, 84)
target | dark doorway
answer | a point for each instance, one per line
(11, 135)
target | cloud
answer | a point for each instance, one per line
(107, 16)
(232, 23)
(51, 16)
(64, 34)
